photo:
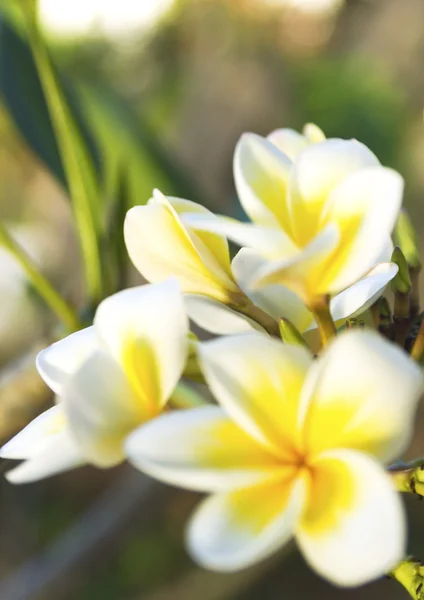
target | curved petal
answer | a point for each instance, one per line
(60, 454)
(102, 409)
(34, 436)
(289, 141)
(216, 317)
(145, 328)
(160, 246)
(357, 298)
(317, 171)
(258, 380)
(201, 449)
(276, 300)
(365, 207)
(261, 174)
(57, 362)
(361, 393)
(303, 273)
(270, 241)
(313, 133)
(231, 531)
(47, 447)
(217, 244)
(353, 530)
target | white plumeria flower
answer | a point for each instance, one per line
(296, 447)
(201, 262)
(290, 142)
(110, 378)
(280, 302)
(161, 246)
(322, 222)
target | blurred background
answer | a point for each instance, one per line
(163, 89)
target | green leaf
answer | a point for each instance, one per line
(22, 95)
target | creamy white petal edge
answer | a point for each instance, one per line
(216, 317)
(368, 538)
(60, 360)
(47, 447)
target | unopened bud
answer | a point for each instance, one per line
(406, 238)
(290, 334)
(402, 281)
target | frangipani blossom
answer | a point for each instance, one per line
(291, 143)
(279, 302)
(110, 378)
(322, 221)
(296, 447)
(161, 246)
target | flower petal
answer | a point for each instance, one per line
(317, 171)
(57, 362)
(257, 380)
(289, 141)
(261, 174)
(357, 298)
(102, 409)
(231, 531)
(200, 449)
(303, 273)
(46, 445)
(160, 246)
(276, 300)
(270, 241)
(361, 393)
(216, 317)
(215, 243)
(353, 530)
(365, 207)
(145, 328)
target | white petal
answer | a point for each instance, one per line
(261, 174)
(61, 453)
(317, 171)
(200, 449)
(303, 273)
(276, 300)
(102, 409)
(361, 393)
(47, 446)
(215, 317)
(57, 362)
(232, 531)
(361, 295)
(372, 196)
(35, 435)
(354, 528)
(313, 133)
(258, 380)
(289, 141)
(145, 328)
(268, 240)
(160, 246)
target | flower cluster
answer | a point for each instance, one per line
(297, 440)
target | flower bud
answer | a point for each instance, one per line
(406, 239)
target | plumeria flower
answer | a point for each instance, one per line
(161, 246)
(217, 292)
(296, 447)
(110, 378)
(290, 142)
(322, 222)
(279, 302)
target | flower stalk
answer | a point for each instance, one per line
(321, 311)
